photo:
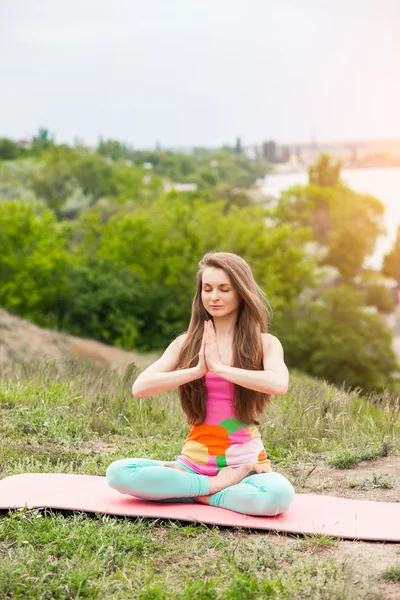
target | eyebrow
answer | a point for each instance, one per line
(221, 285)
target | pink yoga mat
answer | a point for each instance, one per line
(309, 513)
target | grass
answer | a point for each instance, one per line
(378, 481)
(77, 418)
(392, 573)
(50, 555)
(382, 481)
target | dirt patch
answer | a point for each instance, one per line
(377, 479)
(364, 482)
(22, 341)
(97, 447)
(367, 559)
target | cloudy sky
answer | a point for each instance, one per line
(200, 72)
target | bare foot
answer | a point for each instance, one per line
(202, 499)
(232, 475)
(172, 466)
(227, 476)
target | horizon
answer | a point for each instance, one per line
(208, 147)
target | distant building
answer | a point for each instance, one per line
(251, 152)
(269, 151)
(24, 144)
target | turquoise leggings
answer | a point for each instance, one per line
(265, 494)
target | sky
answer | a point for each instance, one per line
(200, 72)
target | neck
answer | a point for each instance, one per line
(225, 326)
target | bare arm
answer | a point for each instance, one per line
(161, 376)
(274, 379)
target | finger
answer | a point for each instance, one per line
(203, 340)
(261, 469)
(171, 466)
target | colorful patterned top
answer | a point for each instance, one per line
(222, 440)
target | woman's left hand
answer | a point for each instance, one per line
(213, 358)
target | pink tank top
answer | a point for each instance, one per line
(222, 440)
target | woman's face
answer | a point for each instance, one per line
(218, 295)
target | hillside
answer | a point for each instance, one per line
(22, 341)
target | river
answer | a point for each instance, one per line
(384, 184)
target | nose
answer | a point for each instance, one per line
(214, 296)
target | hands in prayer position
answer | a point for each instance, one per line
(209, 356)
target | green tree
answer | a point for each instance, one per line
(378, 295)
(357, 221)
(391, 261)
(114, 150)
(9, 150)
(42, 141)
(326, 171)
(33, 258)
(95, 176)
(98, 300)
(346, 223)
(163, 243)
(333, 338)
(134, 183)
(63, 170)
(222, 191)
(54, 181)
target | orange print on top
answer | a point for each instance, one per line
(262, 456)
(216, 438)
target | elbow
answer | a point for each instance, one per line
(139, 387)
(281, 388)
(283, 385)
(281, 391)
(136, 392)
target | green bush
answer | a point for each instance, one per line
(333, 338)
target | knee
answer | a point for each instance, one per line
(279, 493)
(116, 471)
(113, 473)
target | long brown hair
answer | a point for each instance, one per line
(253, 319)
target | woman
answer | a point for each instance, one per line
(226, 367)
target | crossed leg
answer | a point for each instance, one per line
(262, 494)
(259, 494)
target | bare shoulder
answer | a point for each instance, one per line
(273, 351)
(180, 340)
(271, 341)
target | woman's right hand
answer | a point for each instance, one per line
(202, 365)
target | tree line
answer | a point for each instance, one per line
(91, 244)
